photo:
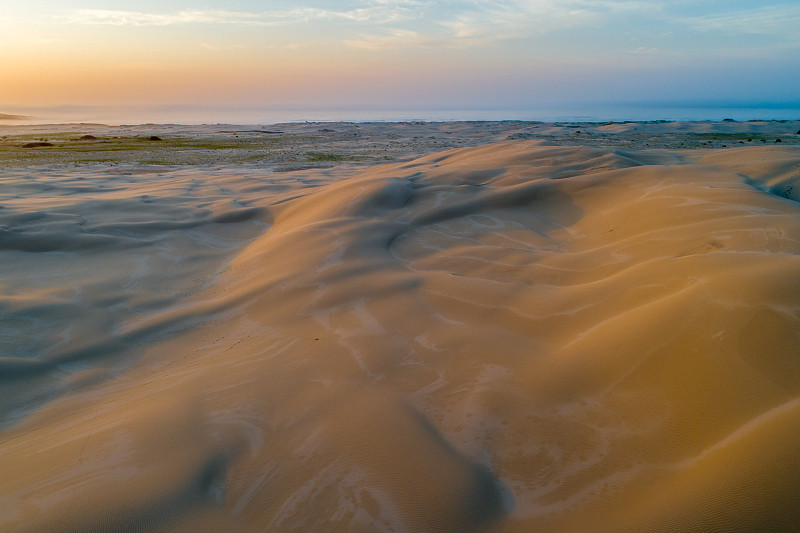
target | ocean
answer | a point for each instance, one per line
(186, 114)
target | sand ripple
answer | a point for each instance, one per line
(514, 337)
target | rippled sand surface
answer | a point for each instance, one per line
(511, 337)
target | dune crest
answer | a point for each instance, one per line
(512, 337)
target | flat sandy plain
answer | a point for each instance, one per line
(478, 326)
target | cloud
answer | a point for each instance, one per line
(507, 20)
(770, 20)
(137, 18)
(480, 22)
(520, 18)
(377, 11)
(382, 11)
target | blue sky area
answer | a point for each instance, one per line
(466, 53)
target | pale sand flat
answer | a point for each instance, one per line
(296, 146)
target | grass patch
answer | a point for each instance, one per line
(78, 147)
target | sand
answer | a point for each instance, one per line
(530, 334)
(295, 146)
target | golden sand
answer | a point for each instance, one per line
(517, 336)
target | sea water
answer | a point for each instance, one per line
(575, 112)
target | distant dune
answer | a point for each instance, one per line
(518, 336)
(4, 116)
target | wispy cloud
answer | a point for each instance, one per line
(394, 24)
(138, 18)
(770, 20)
(506, 20)
(519, 18)
(383, 11)
(480, 22)
(374, 12)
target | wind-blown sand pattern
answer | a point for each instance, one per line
(518, 336)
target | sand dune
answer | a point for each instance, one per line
(518, 336)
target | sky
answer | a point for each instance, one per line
(398, 53)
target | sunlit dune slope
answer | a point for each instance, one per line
(514, 337)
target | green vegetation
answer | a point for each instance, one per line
(60, 148)
(212, 149)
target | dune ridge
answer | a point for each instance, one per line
(510, 337)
